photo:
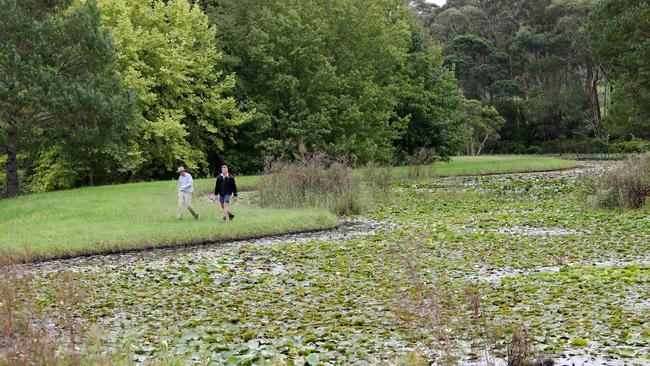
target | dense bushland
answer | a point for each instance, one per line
(566, 75)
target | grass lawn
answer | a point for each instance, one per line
(129, 216)
(494, 164)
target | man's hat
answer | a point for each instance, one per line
(180, 169)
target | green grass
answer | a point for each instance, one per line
(130, 216)
(493, 164)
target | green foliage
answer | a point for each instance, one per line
(478, 64)
(59, 92)
(345, 77)
(431, 99)
(533, 55)
(557, 112)
(618, 32)
(481, 124)
(627, 186)
(635, 145)
(167, 55)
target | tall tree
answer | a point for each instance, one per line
(167, 54)
(480, 125)
(320, 73)
(529, 55)
(619, 33)
(478, 64)
(57, 85)
(430, 97)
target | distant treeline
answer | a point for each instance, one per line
(566, 75)
(106, 91)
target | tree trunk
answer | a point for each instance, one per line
(480, 147)
(13, 188)
(592, 89)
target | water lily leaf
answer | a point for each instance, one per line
(312, 359)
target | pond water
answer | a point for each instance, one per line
(392, 281)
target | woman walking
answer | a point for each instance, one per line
(224, 189)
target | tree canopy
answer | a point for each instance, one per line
(103, 91)
(620, 37)
(60, 98)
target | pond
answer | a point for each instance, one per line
(444, 270)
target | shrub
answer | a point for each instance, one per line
(514, 147)
(311, 181)
(535, 150)
(635, 145)
(628, 186)
(421, 164)
(574, 146)
(378, 178)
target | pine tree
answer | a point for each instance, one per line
(57, 85)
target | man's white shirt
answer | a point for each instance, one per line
(185, 183)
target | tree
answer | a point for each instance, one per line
(482, 124)
(167, 54)
(572, 44)
(478, 64)
(326, 74)
(506, 52)
(57, 86)
(619, 34)
(430, 97)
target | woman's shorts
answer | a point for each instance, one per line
(224, 198)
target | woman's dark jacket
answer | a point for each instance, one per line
(225, 185)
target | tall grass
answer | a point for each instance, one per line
(431, 313)
(421, 164)
(31, 334)
(311, 181)
(316, 181)
(626, 187)
(378, 178)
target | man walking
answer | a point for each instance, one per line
(225, 188)
(185, 193)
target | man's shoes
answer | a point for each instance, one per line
(224, 219)
(231, 216)
(196, 217)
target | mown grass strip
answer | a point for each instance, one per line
(494, 164)
(132, 216)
